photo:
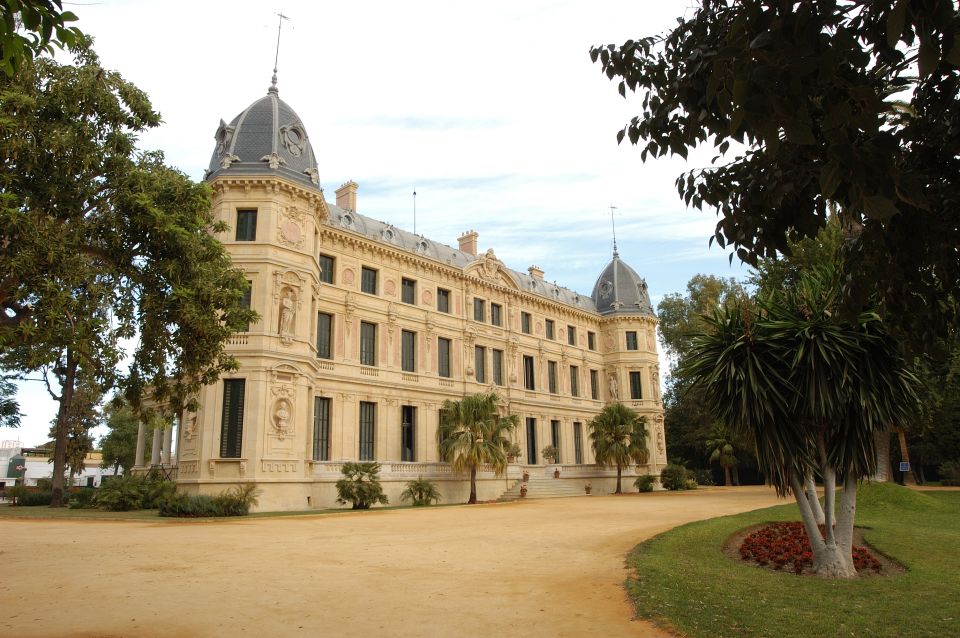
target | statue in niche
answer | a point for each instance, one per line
(655, 381)
(660, 443)
(282, 416)
(614, 388)
(287, 313)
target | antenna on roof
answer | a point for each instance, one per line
(414, 210)
(614, 226)
(276, 57)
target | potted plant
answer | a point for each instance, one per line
(526, 476)
(551, 453)
(523, 490)
(513, 452)
(587, 487)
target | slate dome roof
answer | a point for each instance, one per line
(268, 136)
(621, 291)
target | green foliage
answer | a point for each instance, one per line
(360, 485)
(618, 436)
(235, 501)
(30, 28)
(119, 445)
(15, 493)
(131, 492)
(84, 498)
(721, 450)
(950, 473)
(110, 238)
(829, 108)
(9, 408)
(550, 453)
(644, 483)
(421, 491)
(677, 477)
(472, 433)
(45, 484)
(32, 499)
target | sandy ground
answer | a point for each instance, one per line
(534, 568)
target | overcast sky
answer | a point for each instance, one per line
(492, 111)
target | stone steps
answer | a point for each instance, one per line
(540, 486)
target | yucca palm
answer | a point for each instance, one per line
(812, 389)
(720, 447)
(472, 433)
(618, 436)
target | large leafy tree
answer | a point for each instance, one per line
(472, 432)
(812, 389)
(619, 436)
(720, 446)
(9, 408)
(100, 243)
(29, 28)
(119, 444)
(809, 104)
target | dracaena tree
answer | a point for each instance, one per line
(472, 432)
(812, 389)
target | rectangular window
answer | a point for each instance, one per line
(496, 314)
(368, 343)
(531, 440)
(525, 322)
(571, 335)
(324, 335)
(631, 340)
(548, 327)
(577, 442)
(443, 300)
(555, 437)
(552, 376)
(321, 429)
(574, 381)
(594, 385)
(245, 302)
(246, 225)
(480, 364)
(635, 391)
(368, 280)
(231, 423)
(408, 347)
(408, 431)
(326, 268)
(497, 367)
(529, 381)
(443, 357)
(592, 340)
(368, 415)
(479, 309)
(408, 291)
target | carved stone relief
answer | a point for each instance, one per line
(282, 411)
(348, 276)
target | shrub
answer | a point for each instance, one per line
(644, 483)
(421, 491)
(15, 493)
(360, 485)
(85, 498)
(45, 484)
(677, 477)
(949, 473)
(235, 501)
(30, 499)
(704, 477)
(781, 545)
(122, 494)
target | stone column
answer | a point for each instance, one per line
(167, 444)
(155, 450)
(141, 445)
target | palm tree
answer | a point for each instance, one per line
(472, 433)
(619, 436)
(720, 447)
(812, 388)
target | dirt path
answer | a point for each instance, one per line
(536, 568)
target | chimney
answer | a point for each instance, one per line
(468, 242)
(347, 196)
(535, 272)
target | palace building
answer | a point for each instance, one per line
(366, 329)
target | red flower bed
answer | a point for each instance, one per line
(783, 545)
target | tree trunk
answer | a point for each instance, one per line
(726, 476)
(60, 440)
(736, 476)
(847, 515)
(618, 480)
(473, 485)
(829, 503)
(882, 441)
(810, 491)
(829, 559)
(905, 457)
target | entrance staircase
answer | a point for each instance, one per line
(543, 486)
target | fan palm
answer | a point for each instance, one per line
(618, 436)
(720, 447)
(472, 433)
(812, 389)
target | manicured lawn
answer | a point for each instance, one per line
(42, 511)
(683, 580)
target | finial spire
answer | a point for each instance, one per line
(414, 210)
(276, 57)
(613, 225)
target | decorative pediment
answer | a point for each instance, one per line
(490, 269)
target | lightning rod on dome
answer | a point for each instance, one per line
(414, 210)
(613, 225)
(276, 57)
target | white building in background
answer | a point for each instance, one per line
(36, 464)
